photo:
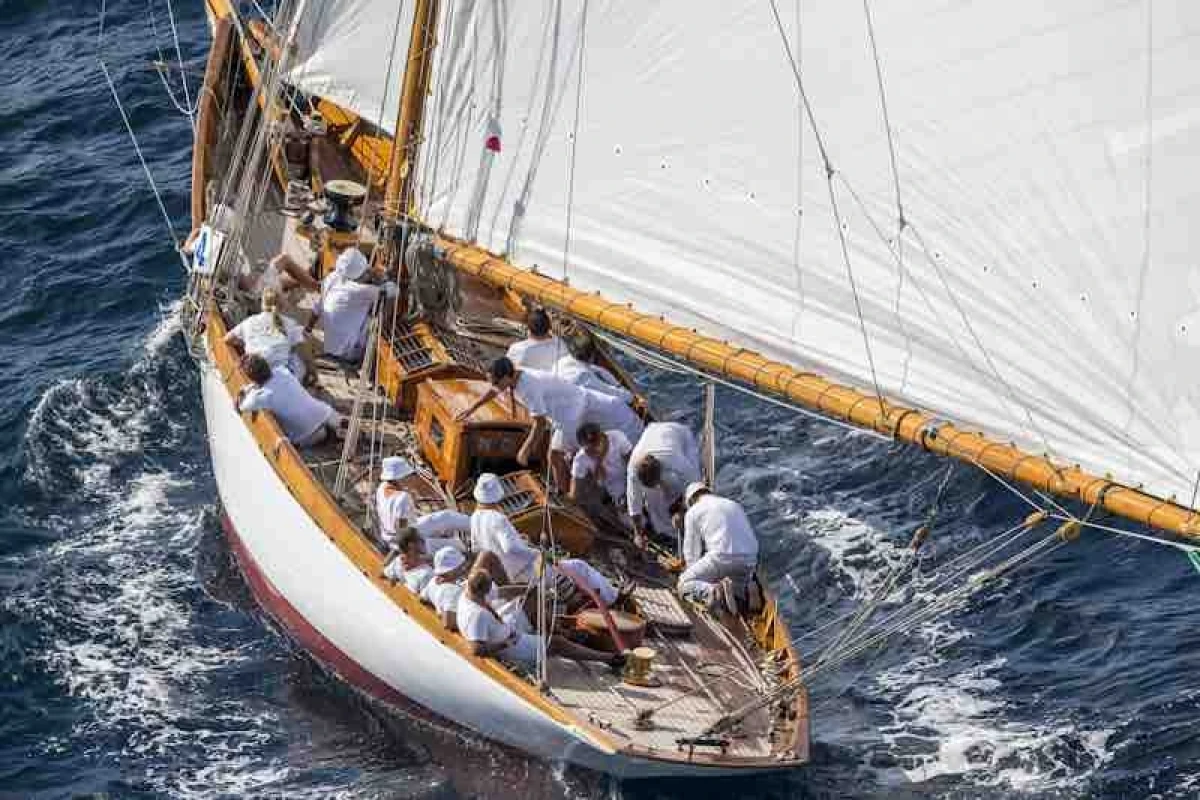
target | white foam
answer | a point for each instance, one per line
(958, 723)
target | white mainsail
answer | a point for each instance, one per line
(1046, 287)
(353, 52)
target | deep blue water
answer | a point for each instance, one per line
(133, 664)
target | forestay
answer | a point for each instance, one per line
(1045, 288)
(353, 52)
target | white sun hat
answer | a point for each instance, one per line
(693, 489)
(488, 489)
(351, 263)
(395, 468)
(447, 560)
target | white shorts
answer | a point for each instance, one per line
(524, 650)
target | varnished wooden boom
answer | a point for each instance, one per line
(832, 399)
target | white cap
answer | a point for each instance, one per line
(447, 560)
(488, 489)
(693, 489)
(394, 468)
(351, 263)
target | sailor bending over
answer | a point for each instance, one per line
(345, 305)
(541, 348)
(489, 635)
(579, 367)
(663, 462)
(598, 471)
(305, 420)
(560, 405)
(719, 549)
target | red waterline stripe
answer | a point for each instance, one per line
(325, 651)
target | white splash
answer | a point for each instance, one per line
(956, 724)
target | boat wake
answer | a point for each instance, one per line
(942, 711)
(137, 620)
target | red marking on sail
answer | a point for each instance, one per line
(493, 143)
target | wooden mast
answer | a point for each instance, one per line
(397, 197)
(835, 400)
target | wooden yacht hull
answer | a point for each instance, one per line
(341, 617)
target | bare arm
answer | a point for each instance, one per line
(483, 399)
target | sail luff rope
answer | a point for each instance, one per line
(837, 218)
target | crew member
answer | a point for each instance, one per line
(345, 304)
(482, 625)
(719, 549)
(276, 337)
(540, 349)
(579, 367)
(393, 504)
(598, 470)
(306, 421)
(560, 405)
(663, 462)
(492, 531)
(409, 561)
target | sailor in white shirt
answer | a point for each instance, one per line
(598, 471)
(450, 566)
(305, 420)
(484, 627)
(345, 304)
(540, 349)
(719, 549)
(560, 404)
(409, 561)
(579, 368)
(272, 335)
(492, 531)
(444, 591)
(663, 462)
(393, 505)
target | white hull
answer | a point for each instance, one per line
(346, 622)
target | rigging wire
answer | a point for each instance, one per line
(830, 172)
(660, 361)
(175, 244)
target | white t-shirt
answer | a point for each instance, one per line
(298, 412)
(536, 353)
(393, 505)
(344, 307)
(717, 525)
(416, 578)
(440, 523)
(590, 577)
(584, 466)
(491, 530)
(590, 376)
(547, 395)
(477, 624)
(443, 596)
(260, 337)
(676, 450)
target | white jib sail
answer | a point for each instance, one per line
(1046, 289)
(353, 52)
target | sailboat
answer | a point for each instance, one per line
(958, 227)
